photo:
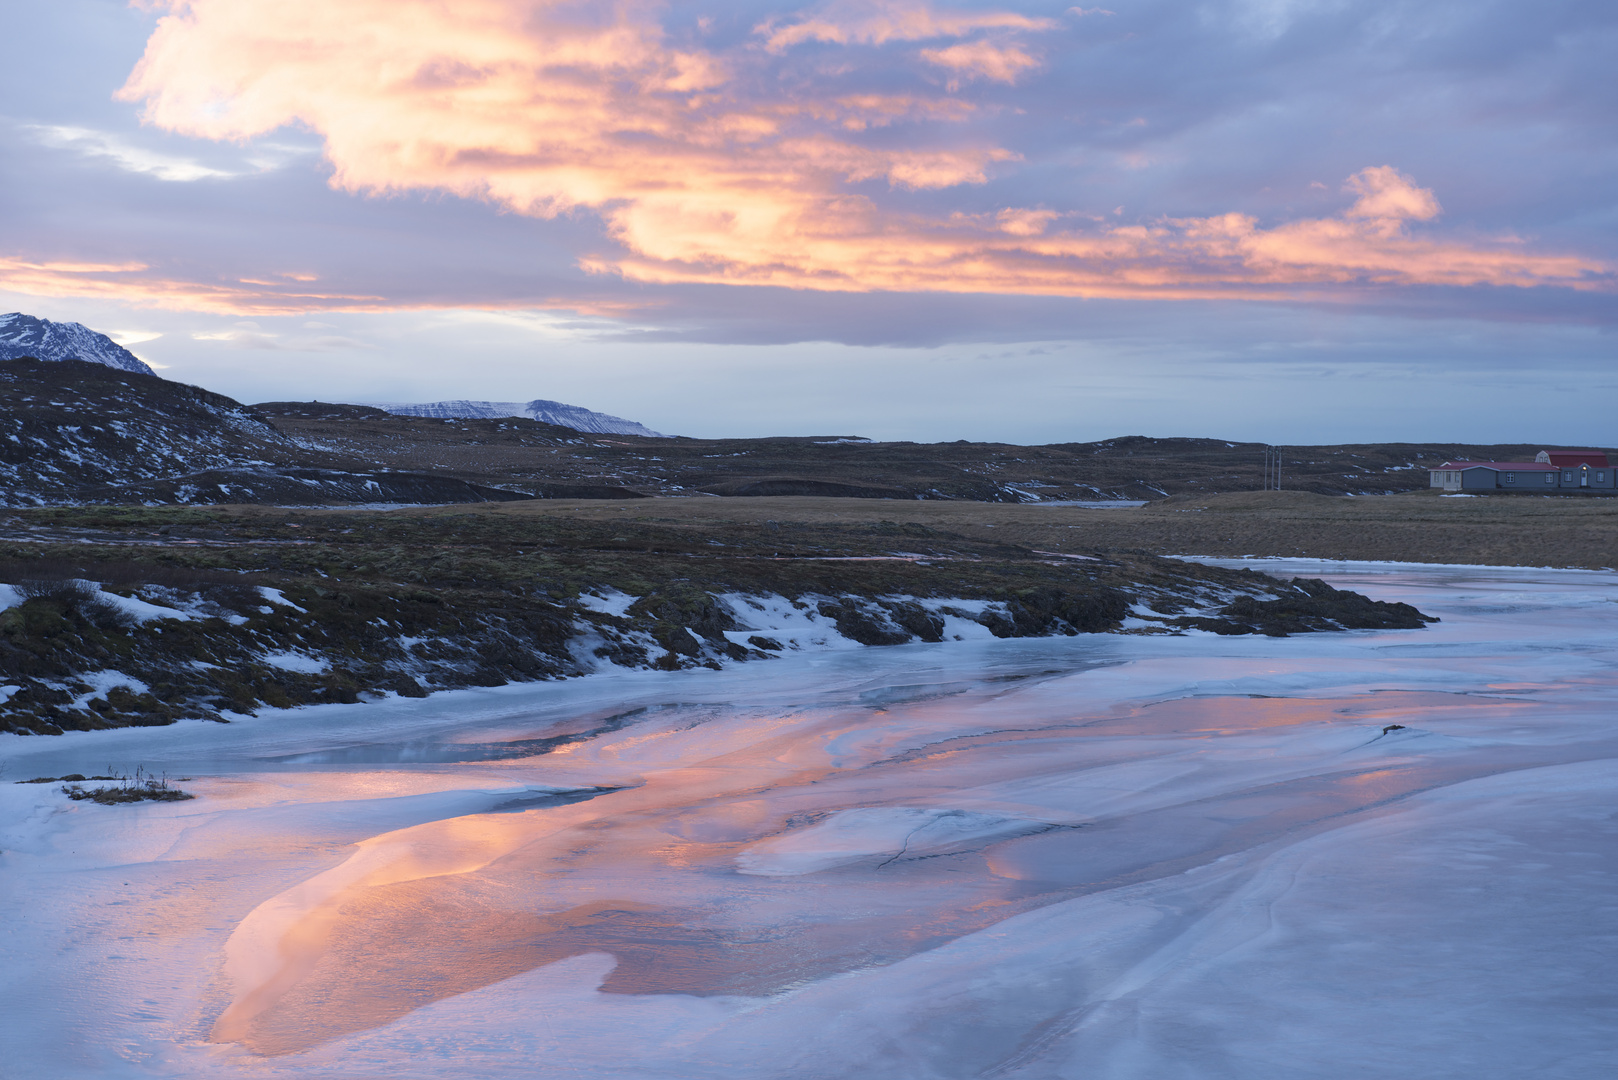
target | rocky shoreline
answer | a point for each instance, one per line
(139, 617)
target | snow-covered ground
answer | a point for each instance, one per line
(1360, 855)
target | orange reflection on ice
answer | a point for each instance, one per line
(665, 876)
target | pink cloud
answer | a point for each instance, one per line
(703, 170)
(982, 59)
(856, 23)
(1385, 194)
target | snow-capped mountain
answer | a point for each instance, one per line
(546, 412)
(24, 335)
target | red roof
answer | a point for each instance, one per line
(1568, 458)
(1514, 466)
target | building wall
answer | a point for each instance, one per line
(1448, 479)
(1518, 480)
(1534, 482)
(1587, 478)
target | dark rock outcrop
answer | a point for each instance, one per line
(1313, 605)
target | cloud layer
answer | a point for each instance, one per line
(847, 147)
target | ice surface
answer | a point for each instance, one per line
(1373, 854)
(881, 834)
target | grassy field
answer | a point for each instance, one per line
(1413, 527)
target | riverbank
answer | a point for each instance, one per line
(119, 616)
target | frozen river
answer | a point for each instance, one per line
(1358, 855)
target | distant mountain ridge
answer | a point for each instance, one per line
(547, 412)
(24, 335)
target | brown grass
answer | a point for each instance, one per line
(1570, 531)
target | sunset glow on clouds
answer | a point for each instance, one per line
(649, 206)
(841, 147)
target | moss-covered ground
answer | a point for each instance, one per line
(288, 607)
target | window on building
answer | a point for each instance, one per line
(1550, 478)
(1511, 478)
(1601, 477)
(1567, 478)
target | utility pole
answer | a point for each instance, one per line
(1272, 468)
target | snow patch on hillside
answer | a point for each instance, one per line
(607, 602)
(546, 412)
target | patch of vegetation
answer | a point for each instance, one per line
(140, 787)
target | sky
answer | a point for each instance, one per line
(1276, 220)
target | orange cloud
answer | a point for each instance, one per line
(702, 170)
(137, 283)
(1017, 251)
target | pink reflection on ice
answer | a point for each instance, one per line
(763, 852)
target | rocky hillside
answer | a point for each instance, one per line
(79, 432)
(70, 426)
(23, 335)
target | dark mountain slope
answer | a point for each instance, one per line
(79, 432)
(71, 425)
